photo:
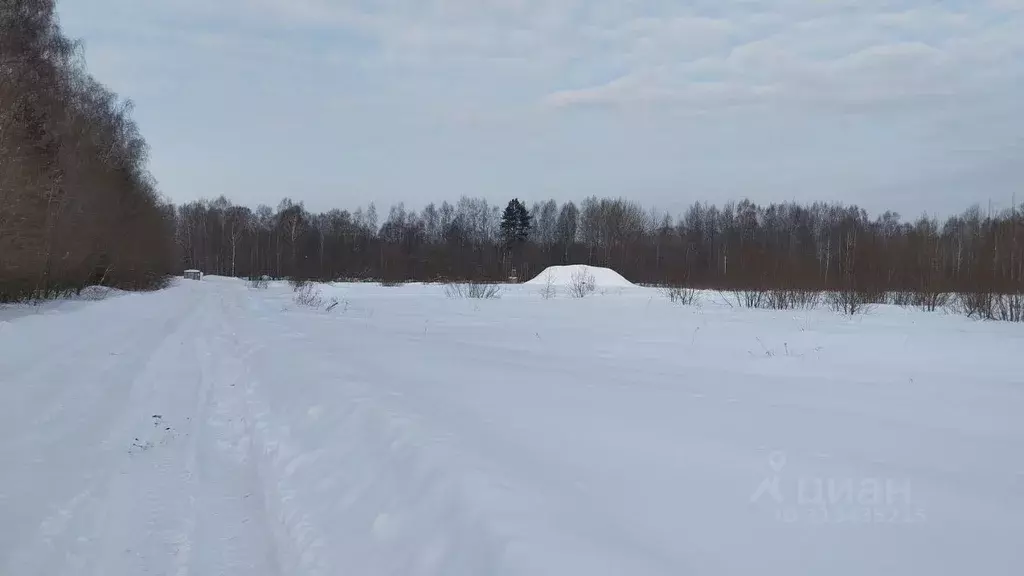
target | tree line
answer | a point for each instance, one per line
(77, 206)
(736, 246)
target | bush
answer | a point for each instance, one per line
(745, 298)
(474, 290)
(751, 298)
(309, 295)
(985, 305)
(582, 283)
(850, 302)
(260, 283)
(680, 295)
(1009, 307)
(930, 300)
(783, 299)
(979, 305)
(873, 296)
(901, 298)
(298, 284)
(774, 299)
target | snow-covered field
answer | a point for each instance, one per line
(212, 428)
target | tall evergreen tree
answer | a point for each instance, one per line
(515, 223)
(525, 223)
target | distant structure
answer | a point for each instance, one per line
(193, 275)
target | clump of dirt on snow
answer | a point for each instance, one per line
(162, 434)
(564, 275)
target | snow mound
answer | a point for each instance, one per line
(563, 275)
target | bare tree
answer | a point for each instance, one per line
(582, 283)
(549, 290)
(77, 205)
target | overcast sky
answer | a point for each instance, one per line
(910, 105)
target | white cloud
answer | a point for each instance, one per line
(808, 54)
(699, 55)
(898, 86)
(565, 52)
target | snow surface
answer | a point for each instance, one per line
(211, 428)
(565, 275)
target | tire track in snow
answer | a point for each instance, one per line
(200, 521)
(166, 508)
(297, 545)
(131, 522)
(359, 485)
(86, 412)
(113, 358)
(227, 485)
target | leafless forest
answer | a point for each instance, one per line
(77, 207)
(775, 253)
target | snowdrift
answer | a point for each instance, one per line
(563, 275)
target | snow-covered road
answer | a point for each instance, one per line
(216, 429)
(123, 441)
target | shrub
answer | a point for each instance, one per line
(1009, 307)
(751, 298)
(774, 299)
(902, 298)
(985, 305)
(582, 283)
(785, 299)
(474, 290)
(744, 298)
(309, 296)
(930, 300)
(680, 295)
(850, 302)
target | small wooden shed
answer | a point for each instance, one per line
(193, 275)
